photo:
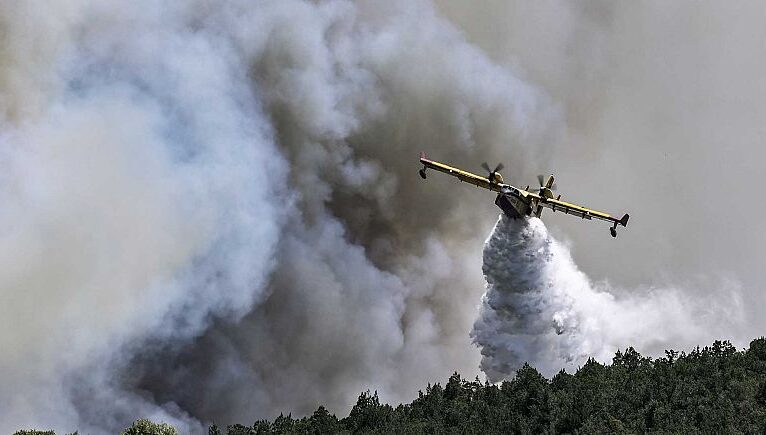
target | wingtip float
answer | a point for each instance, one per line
(515, 202)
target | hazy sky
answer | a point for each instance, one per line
(665, 107)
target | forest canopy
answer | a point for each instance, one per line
(715, 389)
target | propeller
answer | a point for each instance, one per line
(544, 192)
(541, 180)
(492, 173)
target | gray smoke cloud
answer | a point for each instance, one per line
(136, 202)
(210, 210)
(539, 307)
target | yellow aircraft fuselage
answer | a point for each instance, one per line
(516, 202)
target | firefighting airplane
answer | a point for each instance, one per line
(517, 203)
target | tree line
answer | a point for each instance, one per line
(715, 389)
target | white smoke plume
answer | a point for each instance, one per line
(208, 213)
(540, 308)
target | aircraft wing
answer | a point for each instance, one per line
(580, 211)
(468, 177)
(517, 202)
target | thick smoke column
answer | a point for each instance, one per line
(208, 210)
(135, 203)
(540, 308)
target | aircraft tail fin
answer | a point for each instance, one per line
(624, 220)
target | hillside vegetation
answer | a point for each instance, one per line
(714, 389)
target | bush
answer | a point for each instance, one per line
(146, 427)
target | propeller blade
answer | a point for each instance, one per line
(541, 180)
(486, 167)
(499, 167)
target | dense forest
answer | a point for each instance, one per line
(714, 389)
